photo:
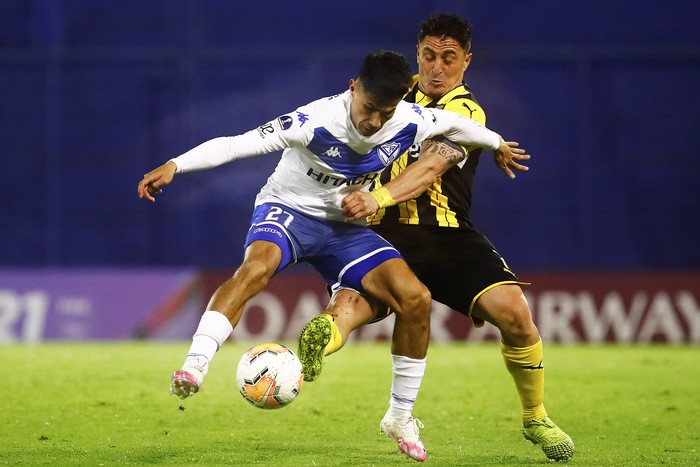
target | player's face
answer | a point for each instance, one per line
(368, 115)
(441, 65)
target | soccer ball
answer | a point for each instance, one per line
(269, 376)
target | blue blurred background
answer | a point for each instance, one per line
(604, 94)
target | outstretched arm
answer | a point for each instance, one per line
(218, 151)
(436, 157)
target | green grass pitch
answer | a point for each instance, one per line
(108, 404)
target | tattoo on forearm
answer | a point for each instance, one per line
(451, 153)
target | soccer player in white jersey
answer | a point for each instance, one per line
(332, 147)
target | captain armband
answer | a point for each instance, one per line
(383, 197)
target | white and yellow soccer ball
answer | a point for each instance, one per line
(269, 376)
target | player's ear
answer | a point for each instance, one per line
(353, 83)
(467, 61)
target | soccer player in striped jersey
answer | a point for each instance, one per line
(423, 210)
(332, 147)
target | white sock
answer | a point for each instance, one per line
(406, 376)
(213, 330)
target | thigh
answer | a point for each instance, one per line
(505, 306)
(460, 285)
(502, 304)
(392, 282)
(262, 255)
(457, 265)
(349, 252)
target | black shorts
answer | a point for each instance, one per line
(457, 265)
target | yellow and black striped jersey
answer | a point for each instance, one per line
(446, 203)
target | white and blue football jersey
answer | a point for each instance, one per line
(325, 158)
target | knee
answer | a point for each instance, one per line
(416, 302)
(424, 298)
(516, 324)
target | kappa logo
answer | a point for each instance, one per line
(332, 152)
(389, 151)
(303, 118)
(417, 109)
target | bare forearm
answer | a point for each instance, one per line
(414, 180)
(436, 158)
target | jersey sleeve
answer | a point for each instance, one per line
(281, 133)
(461, 130)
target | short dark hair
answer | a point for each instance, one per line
(386, 75)
(448, 25)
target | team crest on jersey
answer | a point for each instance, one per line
(389, 151)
